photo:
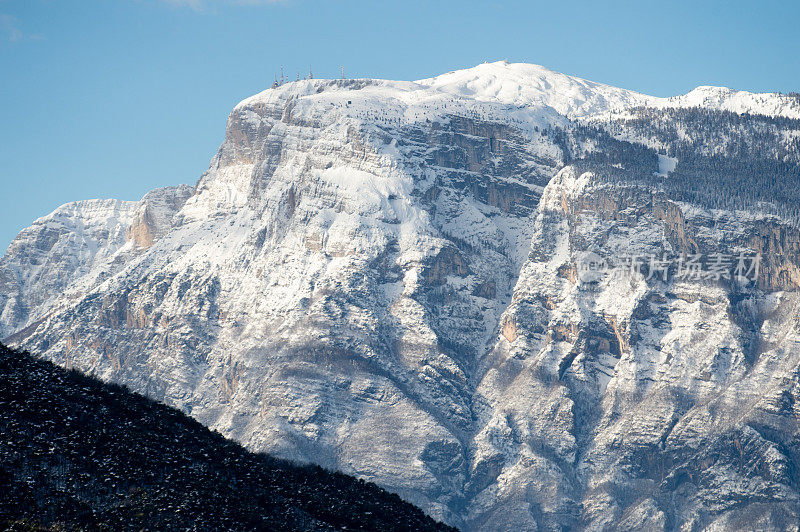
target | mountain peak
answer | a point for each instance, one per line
(526, 84)
(726, 99)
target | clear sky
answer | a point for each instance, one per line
(111, 98)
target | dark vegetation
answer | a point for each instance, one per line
(76, 453)
(725, 160)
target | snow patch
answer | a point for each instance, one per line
(666, 165)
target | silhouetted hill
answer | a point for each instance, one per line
(78, 453)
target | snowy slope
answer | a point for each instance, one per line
(769, 104)
(55, 253)
(527, 85)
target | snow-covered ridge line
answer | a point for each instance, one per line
(725, 99)
(534, 86)
(530, 85)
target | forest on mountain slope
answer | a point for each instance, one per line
(725, 160)
(76, 453)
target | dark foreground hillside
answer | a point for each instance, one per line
(78, 453)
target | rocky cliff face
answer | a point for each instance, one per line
(424, 284)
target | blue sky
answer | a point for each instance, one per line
(111, 98)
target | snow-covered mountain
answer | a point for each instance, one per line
(725, 99)
(390, 279)
(526, 85)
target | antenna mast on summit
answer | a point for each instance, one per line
(342, 71)
(282, 78)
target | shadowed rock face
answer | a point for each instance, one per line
(389, 279)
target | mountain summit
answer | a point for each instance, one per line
(518, 299)
(527, 85)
